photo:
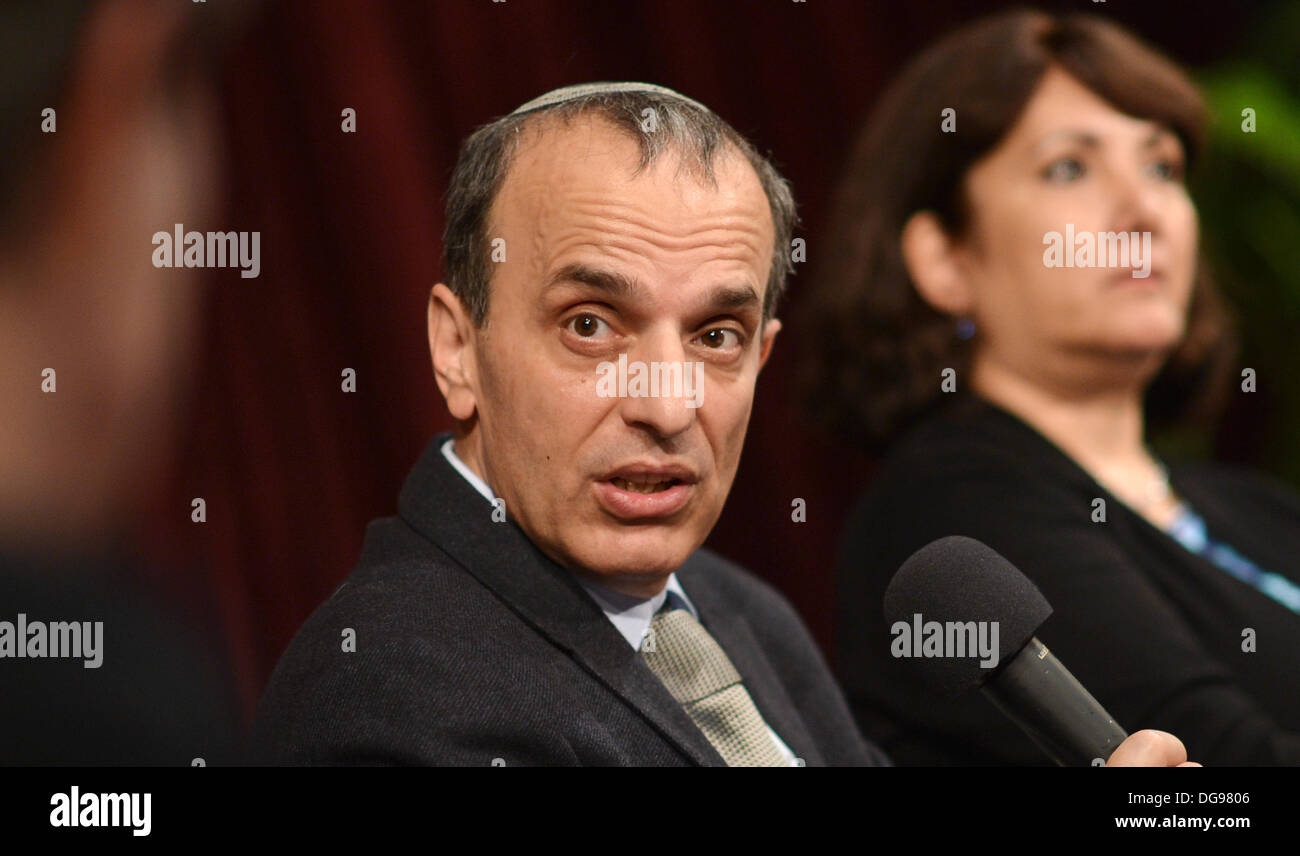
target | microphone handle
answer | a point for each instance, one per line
(1039, 694)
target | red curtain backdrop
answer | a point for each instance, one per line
(291, 467)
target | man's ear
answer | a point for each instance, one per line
(932, 261)
(451, 346)
(770, 329)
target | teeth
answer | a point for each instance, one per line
(641, 487)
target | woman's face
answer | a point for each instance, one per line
(1072, 164)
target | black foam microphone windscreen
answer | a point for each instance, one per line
(966, 618)
(959, 579)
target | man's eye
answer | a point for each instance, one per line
(719, 338)
(1065, 169)
(587, 326)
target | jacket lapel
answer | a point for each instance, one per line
(442, 506)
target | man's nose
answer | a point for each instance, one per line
(665, 399)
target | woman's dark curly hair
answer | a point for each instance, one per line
(878, 347)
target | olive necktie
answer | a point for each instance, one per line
(700, 676)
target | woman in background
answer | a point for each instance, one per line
(1015, 393)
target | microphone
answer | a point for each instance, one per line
(967, 616)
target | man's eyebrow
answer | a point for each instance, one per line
(613, 283)
(733, 297)
(724, 298)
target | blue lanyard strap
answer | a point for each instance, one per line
(1188, 529)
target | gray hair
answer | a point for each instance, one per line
(684, 126)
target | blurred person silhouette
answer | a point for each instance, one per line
(1014, 385)
(109, 134)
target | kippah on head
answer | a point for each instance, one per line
(582, 90)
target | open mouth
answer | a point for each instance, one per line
(641, 492)
(657, 486)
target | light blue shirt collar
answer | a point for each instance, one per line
(632, 616)
(481, 486)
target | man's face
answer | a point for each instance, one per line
(601, 263)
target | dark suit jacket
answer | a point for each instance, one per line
(472, 645)
(1151, 629)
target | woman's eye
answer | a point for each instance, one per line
(1168, 170)
(1066, 169)
(587, 326)
(717, 338)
